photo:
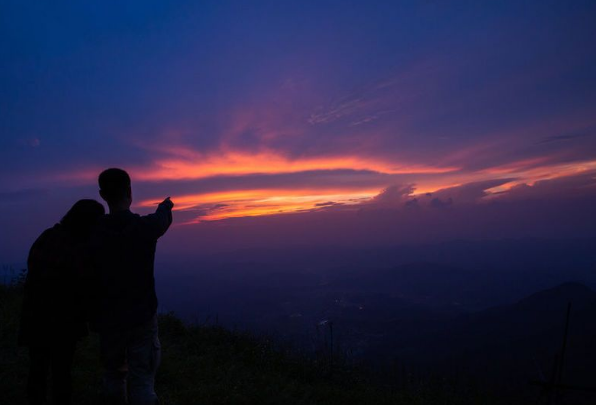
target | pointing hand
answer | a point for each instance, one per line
(167, 203)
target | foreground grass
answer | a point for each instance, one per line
(212, 365)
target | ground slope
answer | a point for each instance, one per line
(212, 365)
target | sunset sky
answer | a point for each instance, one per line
(333, 122)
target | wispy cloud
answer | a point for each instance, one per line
(565, 137)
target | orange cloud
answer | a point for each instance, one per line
(175, 161)
(531, 175)
(517, 166)
(270, 201)
(263, 201)
(193, 165)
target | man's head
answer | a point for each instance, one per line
(114, 188)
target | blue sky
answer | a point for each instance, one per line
(270, 109)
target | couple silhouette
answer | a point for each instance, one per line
(95, 270)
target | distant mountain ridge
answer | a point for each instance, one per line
(510, 345)
(554, 298)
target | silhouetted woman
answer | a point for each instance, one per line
(54, 307)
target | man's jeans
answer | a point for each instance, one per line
(133, 355)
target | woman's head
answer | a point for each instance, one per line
(82, 216)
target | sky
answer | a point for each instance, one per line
(303, 122)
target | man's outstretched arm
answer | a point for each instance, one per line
(161, 220)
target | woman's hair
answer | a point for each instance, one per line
(82, 217)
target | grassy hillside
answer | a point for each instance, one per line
(212, 365)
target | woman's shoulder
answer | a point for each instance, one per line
(51, 241)
(48, 235)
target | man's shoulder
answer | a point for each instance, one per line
(119, 218)
(139, 219)
(132, 216)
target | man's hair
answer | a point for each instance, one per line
(114, 184)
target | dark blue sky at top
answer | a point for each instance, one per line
(82, 84)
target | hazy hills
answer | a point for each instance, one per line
(492, 309)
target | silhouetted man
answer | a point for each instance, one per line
(125, 317)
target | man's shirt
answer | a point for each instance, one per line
(123, 246)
